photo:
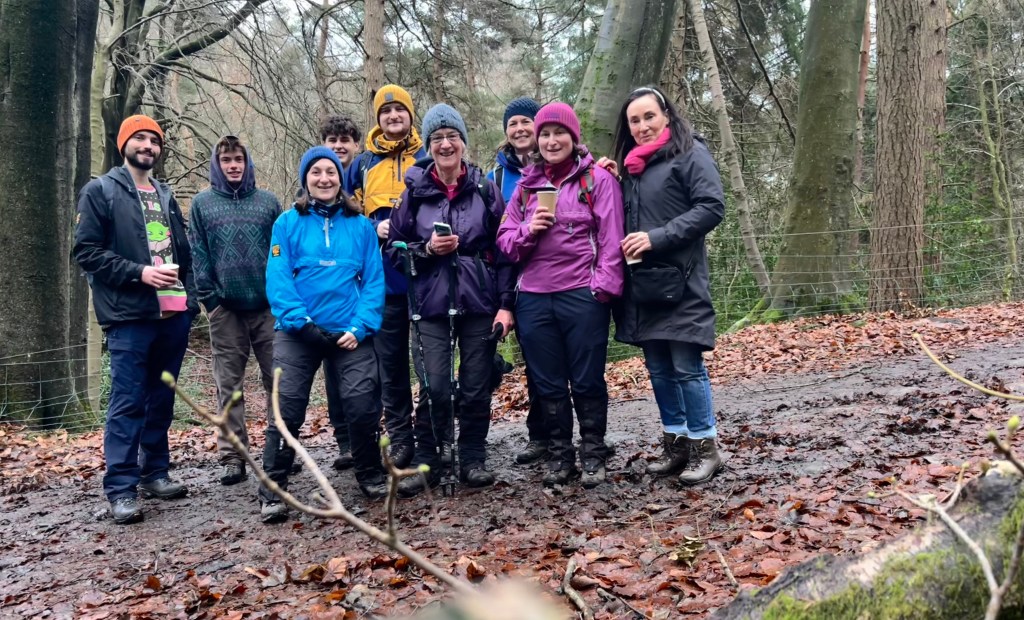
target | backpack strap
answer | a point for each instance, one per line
(484, 188)
(587, 187)
(499, 178)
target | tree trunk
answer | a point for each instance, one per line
(42, 153)
(437, 43)
(933, 50)
(373, 65)
(673, 80)
(809, 275)
(320, 66)
(862, 93)
(630, 52)
(897, 241)
(729, 150)
(928, 573)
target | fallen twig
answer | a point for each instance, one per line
(962, 379)
(725, 567)
(571, 592)
(615, 597)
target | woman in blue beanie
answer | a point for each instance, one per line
(325, 284)
(462, 292)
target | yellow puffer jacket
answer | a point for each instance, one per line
(377, 177)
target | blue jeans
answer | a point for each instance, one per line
(681, 387)
(141, 406)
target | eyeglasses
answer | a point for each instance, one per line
(452, 138)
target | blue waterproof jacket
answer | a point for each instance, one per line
(325, 270)
(511, 172)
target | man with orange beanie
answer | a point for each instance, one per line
(130, 240)
(377, 179)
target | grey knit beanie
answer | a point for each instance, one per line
(443, 116)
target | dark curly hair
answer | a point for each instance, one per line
(336, 125)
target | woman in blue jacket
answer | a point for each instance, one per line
(325, 283)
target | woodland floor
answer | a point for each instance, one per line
(814, 415)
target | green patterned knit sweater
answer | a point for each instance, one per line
(230, 236)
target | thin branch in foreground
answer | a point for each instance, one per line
(962, 379)
(572, 593)
(334, 508)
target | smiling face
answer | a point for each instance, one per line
(447, 147)
(555, 143)
(323, 182)
(343, 146)
(143, 149)
(520, 134)
(395, 120)
(646, 119)
(232, 164)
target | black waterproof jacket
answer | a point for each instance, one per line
(677, 202)
(112, 248)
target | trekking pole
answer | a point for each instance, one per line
(450, 478)
(414, 317)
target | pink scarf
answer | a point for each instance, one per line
(636, 161)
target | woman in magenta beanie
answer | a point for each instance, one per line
(571, 268)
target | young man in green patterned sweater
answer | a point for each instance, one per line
(230, 226)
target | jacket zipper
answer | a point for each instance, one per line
(327, 234)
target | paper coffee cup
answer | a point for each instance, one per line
(546, 200)
(171, 266)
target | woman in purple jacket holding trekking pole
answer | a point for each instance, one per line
(563, 226)
(460, 292)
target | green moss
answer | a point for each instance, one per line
(944, 585)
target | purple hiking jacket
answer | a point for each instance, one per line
(485, 278)
(581, 249)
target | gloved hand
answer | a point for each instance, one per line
(312, 335)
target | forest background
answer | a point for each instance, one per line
(872, 155)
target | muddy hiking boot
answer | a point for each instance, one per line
(414, 485)
(674, 458)
(704, 462)
(273, 512)
(126, 510)
(401, 455)
(232, 473)
(162, 488)
(344, 461)
(560, 473)
(593, 473)
(534, 451)
(476, 475)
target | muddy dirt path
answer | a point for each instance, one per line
(804, 450)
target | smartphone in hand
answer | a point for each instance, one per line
(442, 230)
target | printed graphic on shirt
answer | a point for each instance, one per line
(158, 233)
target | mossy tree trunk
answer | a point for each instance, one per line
(928, 573)
(897, 238)
(373, 64)
(809, 276)
(630, 51)
(44, 159)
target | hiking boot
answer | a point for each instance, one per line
(704, 462)
(374, 486)
(593, 473)
(414, 485)
(295, 468)
(273, 512)
(126, 510)
(344, 461)
(446, 454)
(162, 488)
(560, 472)
(401, 455)
(232, 473)
(674, 458)
(475, 475)
(534, 451)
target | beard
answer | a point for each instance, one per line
(134, 161)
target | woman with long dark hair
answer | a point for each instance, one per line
(673, 198)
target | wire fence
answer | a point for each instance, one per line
(965, 264)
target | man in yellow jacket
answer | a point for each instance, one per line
(377, 179)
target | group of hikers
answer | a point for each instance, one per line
(399, 245)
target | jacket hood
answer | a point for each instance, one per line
(534, 177)
(377, 143)
(219, 182)
(508, 160)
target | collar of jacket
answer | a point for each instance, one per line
(421, 180)
(219, 182)
(378, 144)
(508, 159)
(535, 179)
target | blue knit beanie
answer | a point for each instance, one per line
(523, 106)
(311, 156)
(444, 116)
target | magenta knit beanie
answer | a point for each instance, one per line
(560, 113)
